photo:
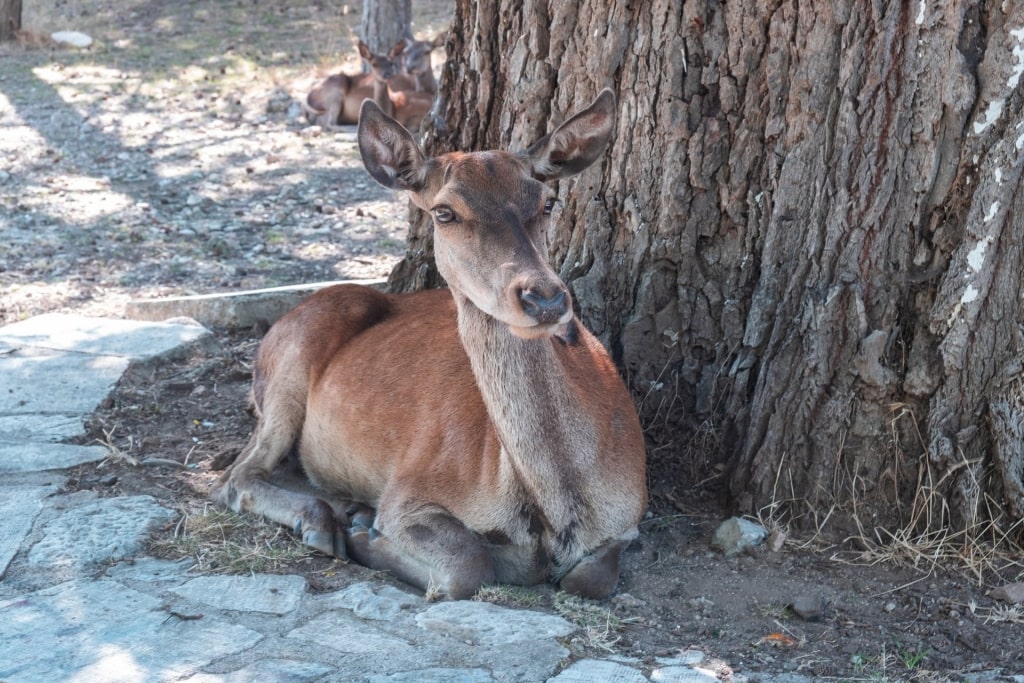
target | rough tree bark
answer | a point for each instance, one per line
(10, 19)
(384, 23)
(808, 232)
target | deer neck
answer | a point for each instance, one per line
(547, 439)
(382, 96)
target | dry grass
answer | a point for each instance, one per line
(510, 596)
(983, 549)
(223, 542)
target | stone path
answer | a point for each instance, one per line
(79, 602)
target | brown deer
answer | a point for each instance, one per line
(337, 99)
(417, 65)
(484, 434)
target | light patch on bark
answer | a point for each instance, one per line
(976, 259)
(1018, 53)
(992, 114)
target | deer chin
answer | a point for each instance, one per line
(543, 331)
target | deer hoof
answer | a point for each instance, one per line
(327, 542)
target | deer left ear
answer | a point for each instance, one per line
(575, 144)
(389, 152)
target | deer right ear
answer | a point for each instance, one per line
(389, 152)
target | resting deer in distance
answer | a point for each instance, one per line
(483, 433)
(336, 100)
(417, 65)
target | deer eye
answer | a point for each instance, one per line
(550, 205)
(444, 214)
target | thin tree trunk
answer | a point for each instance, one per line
(384, 23)
(806, 244)
(10, 19)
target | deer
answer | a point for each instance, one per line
(337, 99)
(417, 65)
(469, 436)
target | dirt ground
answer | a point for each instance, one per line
(168, 159)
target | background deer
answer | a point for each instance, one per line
(484, 434)
(336, 100)
(416, 62)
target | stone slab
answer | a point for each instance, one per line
(92, 631)
(367, 601)
(234, 309)
(487, 624)
(436, 675)
(103, 530)
(40, 427)
(40, 457)
(41, 382)
(19, 507)
(270, 593)
(267, 671)
(345, 633)
(103, 336)
(599, 671)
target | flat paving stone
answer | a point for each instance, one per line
(381, 603)
(19, 507)
(267, 671)
(99, 531)
(41, 457)
(102, 336)
(599, 671)
(40, 382)
(436, 675)
(345, 633)
(21, 427)
(86, 630)
(270, 593)
(487, 624)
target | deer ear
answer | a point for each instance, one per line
(364, 51)
(389, 152)
(575, 144)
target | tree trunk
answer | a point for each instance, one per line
(10, 19)
(805, 244)
(384, 23)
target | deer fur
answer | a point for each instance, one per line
(482, 433)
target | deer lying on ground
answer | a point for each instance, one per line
(483, 433)
(336, 100)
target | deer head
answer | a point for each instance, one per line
(491, 211)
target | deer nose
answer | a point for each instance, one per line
(546, 310)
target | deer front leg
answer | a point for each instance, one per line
(425, 546)
(244, 488)
(596, 575)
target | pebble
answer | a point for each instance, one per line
(809, 608)
(735, 535)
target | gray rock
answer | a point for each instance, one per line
(345, 633)
(735, 535)
(1011, 592)
(809, 608)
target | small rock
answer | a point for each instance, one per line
(73, 38)
(776, 540)
(890, 606)
(809, 608)
(628, 601)
(734, 535)
(1011, 592)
